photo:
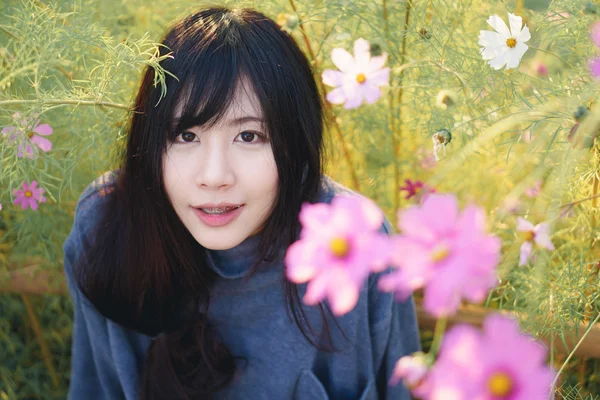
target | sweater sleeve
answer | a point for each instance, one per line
(394, 334)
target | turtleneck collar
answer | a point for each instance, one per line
(236, 262)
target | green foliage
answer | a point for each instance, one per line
(76, 66)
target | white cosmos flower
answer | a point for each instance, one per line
(504, 46)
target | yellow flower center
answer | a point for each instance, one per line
(339, 247)
(440, 253)
(30, 134)
(28, 193)
(528, 236)
(360, 78)
(500, 384)
(511, 42)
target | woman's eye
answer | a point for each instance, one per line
(248, 136)
(187, 137)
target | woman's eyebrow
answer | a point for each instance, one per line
(247, 118)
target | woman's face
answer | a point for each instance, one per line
(232, 164)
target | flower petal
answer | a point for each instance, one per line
(380, 78)
(33, 204)
(525, 253)
(500, 60)
(317, 289)
(371, 93)
(377, 63)
(336, 96)
(43, 129)
(515, 55)
(516, 23)
(43, 143)
(362, 53)
(343, 296)
(542, 236)
(491, 38)
(524, 226)
(354, 99)
(499, 25)
(524, 36)
(343, 60)
(332, 77)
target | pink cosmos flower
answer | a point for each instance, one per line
(538, 234)
(31, 133)
(499, 363)
(416, 188)
(358, 78)
(535, 190)
(594, 66)
(448, 253)
(595, 33)
(411, 370)
(29, 196)
(340, 244)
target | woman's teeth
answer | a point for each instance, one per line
(221, 210)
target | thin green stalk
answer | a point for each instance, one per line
(554, 54)
(73, 102)
(37, 330)
(564, 364)
(397, 129)
(328, 107)
(438, 335)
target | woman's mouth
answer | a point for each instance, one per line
(218, 216)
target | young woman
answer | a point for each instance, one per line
(175, 260)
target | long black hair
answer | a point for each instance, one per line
(144, 270)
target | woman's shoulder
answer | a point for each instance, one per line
(92, 200)
(331, 188)
(100, 187)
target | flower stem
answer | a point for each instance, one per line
(554, 54)
(37, 329)
(65, 102)
(328, 107)
(438, 335)
(564, 364)
(397, 129)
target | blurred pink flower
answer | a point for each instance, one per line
(535, 190)
(594, 66)
(449, 254)
(340, 244)
(541, 69)
(411, 370)
(426, 158)
(498, 363)
(595, 33)
(416, 188)
(358, 78)
(29, 196)
(557, 16)
(527, 136)
(538, 234)
(32, 133)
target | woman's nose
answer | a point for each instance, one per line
(215, 169)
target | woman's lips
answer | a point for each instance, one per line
(217, 220)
